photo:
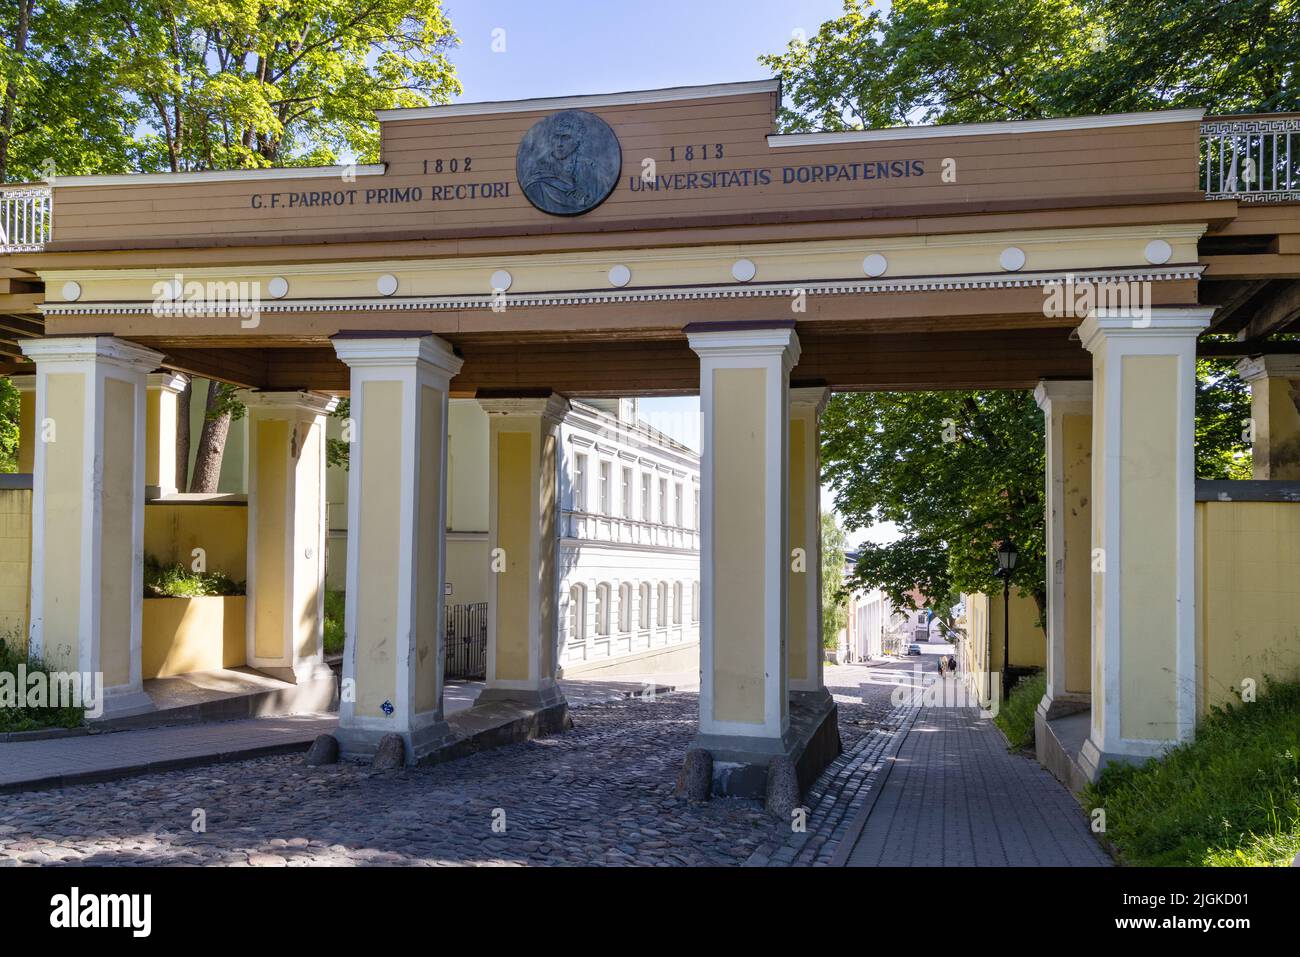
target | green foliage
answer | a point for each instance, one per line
(177, 581)
(30, 718)
(957, 471)
(336, 450)
(335, 603)
(1016, 716)
(1222, 419)
(835, 612)
(224, 402)
(959, 61)
(1229, 798)
(8, 426)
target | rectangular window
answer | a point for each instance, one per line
(679, 506)
(579, 483)
(698, 526)
(606, 506)
(627, 493)
(645, 498)
(663, 501)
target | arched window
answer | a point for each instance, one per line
(643, 619)
(677, 603)
(661, 603)
(602, 609)
(625, 607)
(577, 613)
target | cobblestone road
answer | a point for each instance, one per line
(600, 794)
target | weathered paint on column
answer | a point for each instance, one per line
(804, 612)
(1067, 414)
(1275, 415)
(88, 511)
(393, 662)
(285, 609)
(522, 542)
(744, 557)
(1143, 532)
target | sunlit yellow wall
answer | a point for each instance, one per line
(172, 532)
(181, 635)
(1248, 595)
(15, 563)
(984, 634)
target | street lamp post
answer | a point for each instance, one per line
(1006, 565)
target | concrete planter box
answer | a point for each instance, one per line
(180, 635)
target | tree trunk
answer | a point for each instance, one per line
(183, 435)
(212, 443)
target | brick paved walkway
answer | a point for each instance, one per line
(955, 796)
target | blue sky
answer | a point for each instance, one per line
(569, 47)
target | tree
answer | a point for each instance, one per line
(9, 404)
(220, 408)
(834, 611)
(250, 83)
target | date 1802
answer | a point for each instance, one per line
(457, 164)
(695, 151)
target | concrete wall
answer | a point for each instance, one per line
(182, 635)
(15, 563)
(1248, 596)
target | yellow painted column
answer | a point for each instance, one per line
(397, 476)
(522, 542)
(26, 386)
(88, 514)
(1067, 420)
(804, 611)
(285, 608)
(1275, 415)
(744, 555)
(1143, 532)
(161, 390)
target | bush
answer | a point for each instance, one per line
(334, 604)
(29, 718)
(177, 581)
(1016, 716)
(1229, 798)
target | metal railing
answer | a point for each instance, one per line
(1251, 160)
(466, 641)
(25, 217)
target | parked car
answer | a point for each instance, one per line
(913, 649)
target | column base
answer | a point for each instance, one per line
(812, 741)
(1052, 708)
(360, 744)
(547, 696)
(124, 704)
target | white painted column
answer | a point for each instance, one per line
(1143, 532)
(161, 410)
(805, 596)
(1275, 415)
(523, 508)
(394, 656)
(1067, 421)
(88, 512)
(285, 608)
(744, 398)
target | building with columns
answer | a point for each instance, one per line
(757, 269)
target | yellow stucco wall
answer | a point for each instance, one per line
(797, 591)
(514, 517)
(428, 692)
(172, 532)
(15, 564)
(1248, 588)
(272, 438)
(65, 473)
(984, 633)
(1076, 432)
(182, 635)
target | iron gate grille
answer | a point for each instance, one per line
(466, 641)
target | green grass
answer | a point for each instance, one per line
(1016, 716)
(1230, 798)
(28, 718)
(177, 581)
(334, 604)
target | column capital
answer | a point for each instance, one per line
(815, 396)
(1169, 322)
(24, 383)
(1059, 393)
(108, 350)
(745, 341)
(168, 381)
(388, 351)
(1269, 367)
(288, 403)
(553, 407)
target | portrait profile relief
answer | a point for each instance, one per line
(568, 163)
